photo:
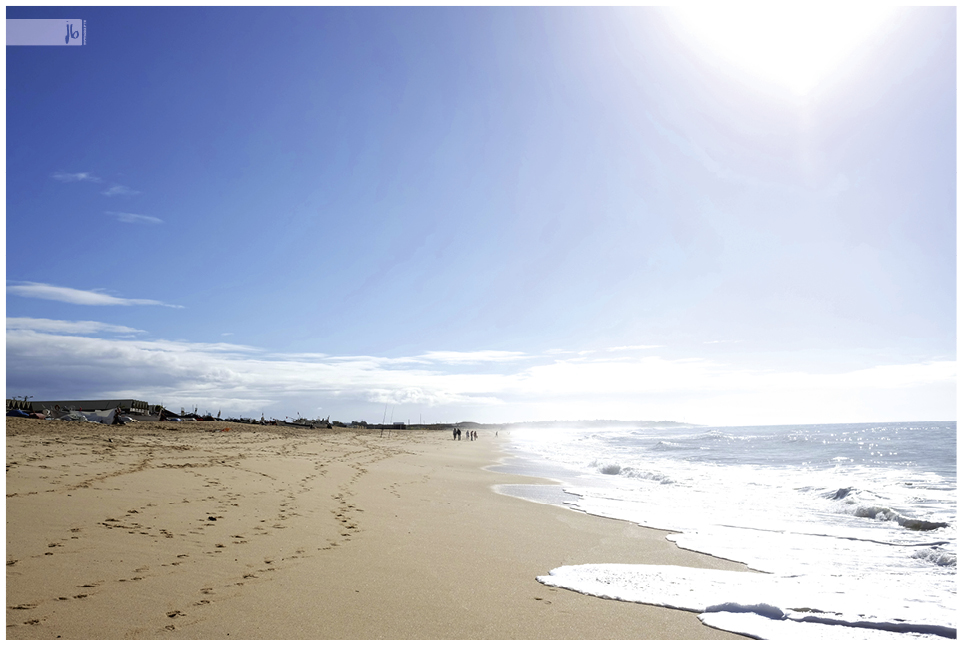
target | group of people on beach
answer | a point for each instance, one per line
(469, 435)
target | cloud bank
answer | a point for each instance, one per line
(59, 359)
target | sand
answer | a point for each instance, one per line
(190, 531)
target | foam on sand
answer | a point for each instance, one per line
(760, 605)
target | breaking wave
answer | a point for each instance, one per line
(936, 556)
(882, 513)
(612, 468)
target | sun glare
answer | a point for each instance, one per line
(795, 46)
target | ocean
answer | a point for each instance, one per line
(851, 528)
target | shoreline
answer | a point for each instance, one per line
(186, 531)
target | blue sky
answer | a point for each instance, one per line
(497, 214)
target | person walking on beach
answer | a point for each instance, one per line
(454, 433)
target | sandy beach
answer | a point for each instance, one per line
(218, 530)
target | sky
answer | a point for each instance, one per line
(492, 214)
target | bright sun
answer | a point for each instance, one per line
(795, 46)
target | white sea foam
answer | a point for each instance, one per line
(864, 505)
(842, 612)
(793, 631)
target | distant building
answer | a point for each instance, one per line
(137, 409)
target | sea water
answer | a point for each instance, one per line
(850, 528)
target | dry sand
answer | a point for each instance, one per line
(186, 531)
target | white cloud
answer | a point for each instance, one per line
(632, 347)
(43, 356)
(695, 376)
(64, 177)
(129, 217)
(77, 296)
(67, 327)
(115, 190)
(480, 356)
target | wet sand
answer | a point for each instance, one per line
(186, 531)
